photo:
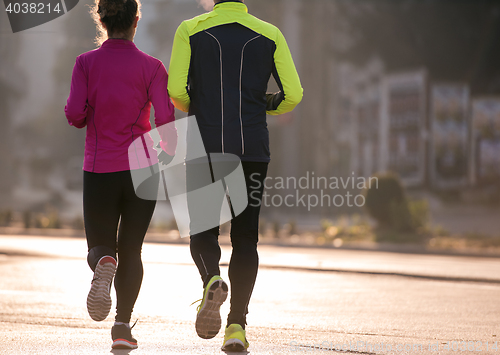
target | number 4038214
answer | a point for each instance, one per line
(32, 8)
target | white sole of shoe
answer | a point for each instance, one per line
(123, 344)
(234, 345)
(208, 321)
(99, 299)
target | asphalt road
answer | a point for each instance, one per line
(367, 302)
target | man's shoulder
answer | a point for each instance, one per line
(262, 27)
(211, 19)
(192, 23)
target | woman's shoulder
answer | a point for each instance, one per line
(89, 57)
(147, 56)
(90, 53)
(140, 59)
(149, 59)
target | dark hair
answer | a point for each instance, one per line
(117, 15)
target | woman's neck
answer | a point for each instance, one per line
(128, 37)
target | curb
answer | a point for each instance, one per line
(171, 238)
(380, 273)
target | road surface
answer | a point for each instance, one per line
(305, 301)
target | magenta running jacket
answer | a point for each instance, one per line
(112, 90)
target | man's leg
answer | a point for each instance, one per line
(244, 237)
(204, 215)
(206, 253)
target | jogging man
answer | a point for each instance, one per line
(219, 71)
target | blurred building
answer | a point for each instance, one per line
(485, 141)
(431, 134)
(404, 126)
(450, 128)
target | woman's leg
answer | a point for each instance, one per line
(101, 199)
(135, 219)
(101, 203)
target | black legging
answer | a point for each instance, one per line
(244, 262)
(109, 199)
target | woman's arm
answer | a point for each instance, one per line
(164, 110)
(76, 107)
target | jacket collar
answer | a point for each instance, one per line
(231, 5)
(118, 43)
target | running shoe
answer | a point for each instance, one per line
(208, 319)
(122, 337)
(99, 299)
(235, 339)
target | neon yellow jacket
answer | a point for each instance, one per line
(219, 70)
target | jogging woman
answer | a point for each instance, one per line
(112, 89)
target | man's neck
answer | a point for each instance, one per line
(221, 1)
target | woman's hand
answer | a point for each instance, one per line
(163, 157)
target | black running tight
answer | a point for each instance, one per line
(110, 204)
(244, 263)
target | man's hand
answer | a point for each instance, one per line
(274, 100)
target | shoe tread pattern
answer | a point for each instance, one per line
(99, 299)
(208, 320)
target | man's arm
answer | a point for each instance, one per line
(179, 69)
(287, 78)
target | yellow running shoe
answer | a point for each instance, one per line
(208, 319)
(235, 339)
